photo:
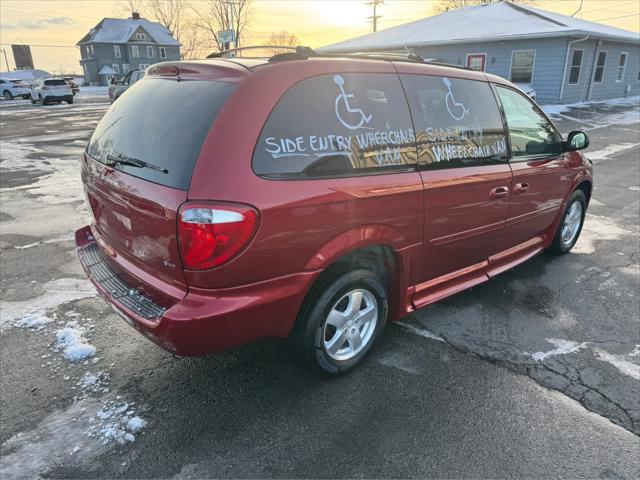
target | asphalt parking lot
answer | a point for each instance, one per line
(534, 374)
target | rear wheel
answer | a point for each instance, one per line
(571, 224)
(7, 95)
(341, 320)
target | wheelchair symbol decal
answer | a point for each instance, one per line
(344, 98)
(457, 110)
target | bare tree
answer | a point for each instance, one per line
(447, 5)
(283, 38)
(177, 17)
(212, 16)
(125, 8)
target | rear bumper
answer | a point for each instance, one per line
(204, 321)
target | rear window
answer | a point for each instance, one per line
(338, 125)
(161, 122)
(55, 82)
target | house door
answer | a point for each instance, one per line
(477, 61)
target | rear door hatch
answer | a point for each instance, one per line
(137, 169)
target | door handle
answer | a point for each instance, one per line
(499, 192)
(520, 188)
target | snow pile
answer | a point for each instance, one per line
(71, 341)
(35, 321)
(116, 422)
(94, 382)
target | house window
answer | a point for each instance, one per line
(149, 51)
(116, 51)
(522, 66)
(135, 53)
(143, 66)
(90, 51)
(576, 64)
(622, 66)
(163, 52)
(125, 68)
(141, 36)
(477, 61)
(602, 60)
(116, 67)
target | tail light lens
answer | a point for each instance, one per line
(211, 235)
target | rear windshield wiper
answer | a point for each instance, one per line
(134, 162)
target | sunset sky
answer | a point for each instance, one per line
(56, 25)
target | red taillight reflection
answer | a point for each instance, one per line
(211, 235)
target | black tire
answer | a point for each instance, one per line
(70, 101)
(7, 95)
(308, 335)
(559, 247)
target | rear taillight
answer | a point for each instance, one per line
(211, 235)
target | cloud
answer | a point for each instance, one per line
(40, 24)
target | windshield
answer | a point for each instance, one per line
(160, 122)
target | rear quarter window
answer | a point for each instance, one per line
(338, 125)
(457, 121)
(163, 122)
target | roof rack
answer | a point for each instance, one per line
(303, 53)
(232, 51)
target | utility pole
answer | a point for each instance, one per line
(5, 59)
(374, 18)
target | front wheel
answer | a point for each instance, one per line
(571, 224)
(342, 318)
(7, 95)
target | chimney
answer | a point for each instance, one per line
(135, 16)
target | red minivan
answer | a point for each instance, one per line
(317, 197)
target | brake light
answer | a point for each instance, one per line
(211, 235)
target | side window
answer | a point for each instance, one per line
(531, 134)
(458, 123)
(338, 125)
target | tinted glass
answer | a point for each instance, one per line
(576, 62)
(458, 123)
(337, 125)
(59, 81)
(531, 134)
(162, 122)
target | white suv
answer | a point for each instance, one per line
(13, 88)
(51, 90)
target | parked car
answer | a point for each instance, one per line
(51, 90)
(13, 88)
(317, 198)
(75, 88)
(118, 87)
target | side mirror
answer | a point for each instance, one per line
(113, 81)
(576, 140)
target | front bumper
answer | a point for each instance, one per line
(203, 321)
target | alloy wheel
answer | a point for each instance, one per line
(350, 324)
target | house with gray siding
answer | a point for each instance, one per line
(564, 59)
(117, 46)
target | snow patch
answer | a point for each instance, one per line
(116, 422)
(598, 228)
(35, 321)
(597, 156)
(623, 365)
(421, 332)
(56, 293)
(73, 344)
(563, 347)
(94, 382)
(63, 238)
